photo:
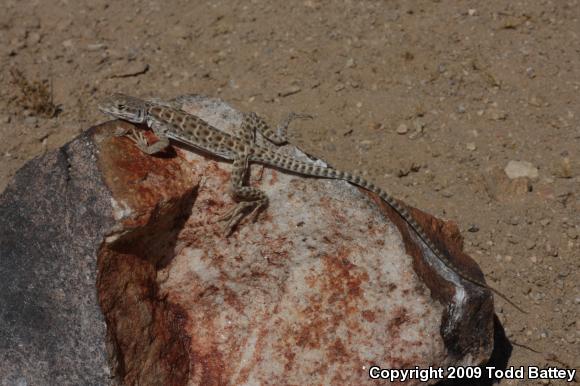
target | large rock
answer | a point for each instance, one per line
(54, 216)
(326, 283)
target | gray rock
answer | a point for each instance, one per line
(54, 216)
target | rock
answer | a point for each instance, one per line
(31, 121)
(545, 222)
(129, 68)
(471, 146)
(96, 47)
(447, 194)
(473, 228)
(564, 168)
(517, 169)
(33, 38)
(179, 32)
(365, 145)
(55, 214)
(402, 129)
(538, 101)
(290, 91)
(501, 188)
(327, 274)
(497, 115)
(551, 250)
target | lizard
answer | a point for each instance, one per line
(167, 121)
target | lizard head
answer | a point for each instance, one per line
(124, 107)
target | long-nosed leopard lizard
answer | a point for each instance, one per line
(168, 122)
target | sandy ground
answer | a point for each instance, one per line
(429, 99)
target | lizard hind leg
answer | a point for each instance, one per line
(249, 197)
(233, 216)
(253, 122)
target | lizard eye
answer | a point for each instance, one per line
(121, 106)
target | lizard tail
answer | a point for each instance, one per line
(287, 163)
(405, 215)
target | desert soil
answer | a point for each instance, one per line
(429, 99)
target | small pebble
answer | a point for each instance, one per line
(365, 145)
(497, 115)
(551, 250)
(447, 194)
(290, 91)
(516, 169)
(470, 146)
(537, 101)
(96, 47)
(564, 168)
(530, 244)
(33, 38)
(31, 121)
(402, 129)
(473, 228)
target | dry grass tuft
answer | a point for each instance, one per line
(35, 96)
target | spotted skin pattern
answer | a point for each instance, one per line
(168, 122)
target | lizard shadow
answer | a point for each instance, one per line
(502, 349)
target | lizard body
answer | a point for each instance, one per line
(168, 122)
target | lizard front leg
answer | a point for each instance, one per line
(249, 197)
(143, 144)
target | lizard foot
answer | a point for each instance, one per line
(138, 138)
(233, 216)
